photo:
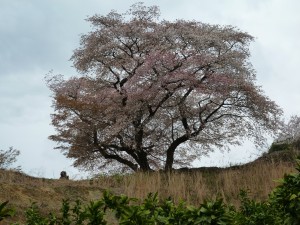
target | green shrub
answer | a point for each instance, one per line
(34, 217)
(253, 213)
(152, 211)
(5, 211)
(296, 144)
(92, 214)
(286, 197)
(276, 147)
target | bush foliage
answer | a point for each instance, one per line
(275, 147)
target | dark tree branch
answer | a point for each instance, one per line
(116, 157)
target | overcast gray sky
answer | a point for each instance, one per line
(37, 36)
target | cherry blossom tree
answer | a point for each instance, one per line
(8, 158)
(290, 131)
(156, 94)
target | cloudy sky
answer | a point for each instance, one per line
(37, 36)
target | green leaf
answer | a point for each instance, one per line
(293, 196)
(202, 209)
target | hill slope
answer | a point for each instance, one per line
(200, 183)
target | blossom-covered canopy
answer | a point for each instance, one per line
(153, 94)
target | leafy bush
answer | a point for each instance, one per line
(286, 198)
(92, 214)
(276, 147)
(296, 144)
(282, 207)
(253, 213)
(34, 217)
(152, 211)
(4, 211)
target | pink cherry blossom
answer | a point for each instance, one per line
(154, 94)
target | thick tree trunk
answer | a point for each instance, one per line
(141, 154)
(171, 152)
(143, 161)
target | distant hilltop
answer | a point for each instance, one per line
(288, 138)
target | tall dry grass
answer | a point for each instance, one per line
(259, 178)
(192, 187)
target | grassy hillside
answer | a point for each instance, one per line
(191, 185)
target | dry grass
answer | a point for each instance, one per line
(193, 186)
